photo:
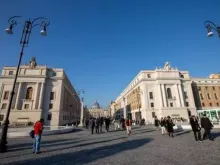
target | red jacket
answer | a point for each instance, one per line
(128, 122)
(38, 127)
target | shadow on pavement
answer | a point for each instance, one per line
(88, 155)
(215, 134)
(181, 133)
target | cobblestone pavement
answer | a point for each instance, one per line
(145, 146)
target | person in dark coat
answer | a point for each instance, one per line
(207, 126)
(195, 128)
(122, 121)
(97, 124)
(156, 122)
(101, 122)
(107, 123)
(170, 125)
(163, 124)
(92, 123)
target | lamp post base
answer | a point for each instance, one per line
(3, 142)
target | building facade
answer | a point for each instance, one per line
(40, 92)
(161, 92)
(97, 111)
(207, 96)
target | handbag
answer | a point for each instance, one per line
(31, 133)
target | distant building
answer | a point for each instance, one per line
(97, 111)
(40, 92)
(161, 92)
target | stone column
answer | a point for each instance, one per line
(125, 110)
(191, 97)
(164, 95)
(159, 94)
(181, 95)
(41, 96)
(36, 96)
(82, 114)
(178, 96)
(18, 96)
(1, 90)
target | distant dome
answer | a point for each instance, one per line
(96, 105)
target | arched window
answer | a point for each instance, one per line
(169, 93)
(29, 93)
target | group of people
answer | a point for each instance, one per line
(197, 127)
(97, 124)
(166, 124)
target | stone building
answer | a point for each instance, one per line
(40, 92)
(207, 96)
(160, 92)
(97, 111)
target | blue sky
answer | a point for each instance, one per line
(103, 44)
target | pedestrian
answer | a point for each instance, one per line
(128, 124)
(92, 123)
(107, 123)
(97, 124)
(38, 129)
(195, 128)
(207, 126)
(170, 125)
(156, 122)
(122, 123)
(101, 122)
(162, 124)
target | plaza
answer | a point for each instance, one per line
(145, 146)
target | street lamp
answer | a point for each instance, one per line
(209, 26)
(27, 29)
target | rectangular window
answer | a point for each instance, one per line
(1, 117)
(4, 106)
(210, 104)
(171, 104)
(185, 95)
(213, 88)
(153, 114)
(6, 95)
(52, 95)
(50, 106)
(151, 95)
(26, 106)
(217, 104)
(208, 95)
(206, 88)
(216, 97)
(148, 76)
(187, 104)
(201, 96)
(10, 73)
(203, 104)
(151, 105)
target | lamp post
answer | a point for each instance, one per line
(27, 29)
(209, 26)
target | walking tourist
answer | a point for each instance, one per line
(207, 126)
(122, 123)
(128, 124)
(195, 128)
(101, 121)
(163, 124)
(156, 122)
(97, 124)
(38, 129)
(170, 125)
(92, 123)
(107, 123)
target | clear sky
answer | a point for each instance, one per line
(103, 44)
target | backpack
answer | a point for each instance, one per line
(31, 133)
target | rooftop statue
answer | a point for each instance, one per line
(32, 63)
